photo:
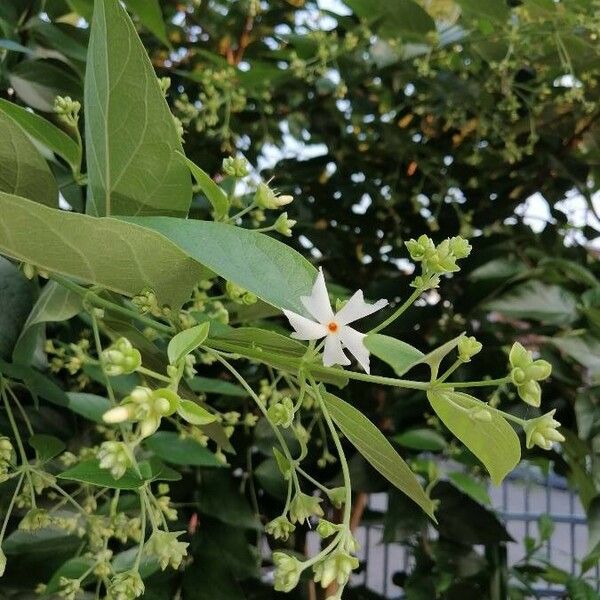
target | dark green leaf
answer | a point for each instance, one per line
(174, 449)
(421, 439)
(46, 446)
(90, 472)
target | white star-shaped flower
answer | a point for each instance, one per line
(334, 327)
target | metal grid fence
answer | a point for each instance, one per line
(520, 502)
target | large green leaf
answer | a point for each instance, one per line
(373, 445)
(131, 137)
(215, 195)
(151, 17)
(44, 132)
(495, 443)
(23, 170)
(261, 264)
(177, 450)
(119, 256)
(16, 298)
(396, 353)
(90, 406)
(90, 472)
(537, 301)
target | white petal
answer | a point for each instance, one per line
(353, 340)
(305, 328)
(317, 304)
(333, 353)
(356, 308)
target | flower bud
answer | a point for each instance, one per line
(126, 586)
(336, 567)
(421, 248)
(303, 507)
(337, 496)
(530, 392)
(119, 414)
(542, 431)
(282, 413)
(460, 247)
(326, 529)
(280, 528)
(121, 358)
(115, 457)
(165, 547)
(519, 356)
(266, 198)
(283, 225)
(67, 110)
(287, 571)
(35, 519)
(235, 166)
(468, 347)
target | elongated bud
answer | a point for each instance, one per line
(119, 414)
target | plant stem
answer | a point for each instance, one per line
(153, 374)
(467, 384)
(408, 302)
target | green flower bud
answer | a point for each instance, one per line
(518, 376)
(519, 356)
(303, 507)
(266, 198)
(121, 358)
(336, 567)
(337, 496)
(421, 248)
(460, 247)
(326, 529)
(530, 392)
(36, 518)
(287, 571)
(165, 401)
(282, 413)
(235, 167)
(68, 588)
(468, 347)
(115, 457)
(542, 431)
(67, 110)
(283, 225)
(164, 84)
(166, 548)
(280, 528)
(125, 586)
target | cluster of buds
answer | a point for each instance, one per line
(115, 457)
(436, 260)
(240, 295)
(268, 199)
(281, 412)
(336, 567)
(7, 457)
(67, 110)
(235, 167)
(542, 431)
(166, 548)
(125, 586)
(68, 588)
(121, 358)
(147, 302)
(280, 528)
(35, 519)
(526, 372)
(145, 406)
(164, 83)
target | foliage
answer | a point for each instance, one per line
(437, 116)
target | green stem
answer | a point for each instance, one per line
(312, 480)
(408, 302)
(242, 212)
(468, 384)
(153, 374)
(10, 508)
(449, 372)
(138, 558)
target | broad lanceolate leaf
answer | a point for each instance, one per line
(215, 195)
(90, 472)
(216, 386)
(495, 443)
(90, 406)
(373, 445)
(399, 355)
(46, 446)
(172, 448)
(261, 264)
(186, 341)
(45, 133)
(130, 134)
(23, 170)
(194, 414)
(120, 256)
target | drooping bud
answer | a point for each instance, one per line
(336, 567)
(282, 413)
(468, 347)
(287, 571)
(280, 528)
(543, 431)
(283, 225)
(166, 548)
(303, 506)
(115, 457)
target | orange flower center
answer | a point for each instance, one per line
(333, 327)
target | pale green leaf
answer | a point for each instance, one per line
(194, 414)
(396, 353)
(131, 138)
(45, 133)
(186, 341)
(260, 264)
(216, 386)
(421, 439)
(495, 443)
(373, 445)
(90, 406)
(215, 195)
(90, 472)
(120, 256)
(151, 17)
(23, 170)
(472, 487)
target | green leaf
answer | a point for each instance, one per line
(151, 17)
(488, 9)
(45, 133)
(72, 569)
(470, 486)
(399, 355)
(591, 559)
(23, 170)
(394, 19)
(90, 472)
(268, 475)
(537, 301)
(38, 82)
(120, 256)
(46, 446)
(373, 445)
(131, 138)
(260, 264)
(421, 439)
(155, 470)
(217, 386)
(90, 406)
(172, 448)
(215, 195)
(186, 341)
(495, 443)
(585, 349)
(194, 414)
(16, 299)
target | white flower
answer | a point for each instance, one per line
(334, 327)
